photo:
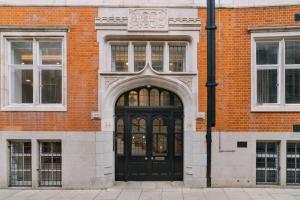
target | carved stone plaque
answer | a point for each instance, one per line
(140, 19)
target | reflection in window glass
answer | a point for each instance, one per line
(22, 88)
(154, 97)
(292, 52)
(139, 57)
(50, 52)
(51, 86)
(121, 101)
(119, 58)
(267, 86)
(177, 58)
(157, 56)
(267, 53)
(21, 52)
(292, 86)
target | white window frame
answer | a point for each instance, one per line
(5, 80)
(148, 43)
(280, 106)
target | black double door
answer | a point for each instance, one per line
(151, 147)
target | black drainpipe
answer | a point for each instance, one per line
(211, 81)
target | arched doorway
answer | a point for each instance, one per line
(149, 135)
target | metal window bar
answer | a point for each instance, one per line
(20, 164)
(293, 163)
(50, 173)
(267, 163)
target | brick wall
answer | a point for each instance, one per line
(234, 89)
(82, 68)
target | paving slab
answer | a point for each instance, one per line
(153, 191)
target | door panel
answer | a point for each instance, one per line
(152, 147)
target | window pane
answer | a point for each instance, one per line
(292, 52)
(21, 52)
(177, 58)
(267, 53)
(292, 85)
(22, 90)
(133, 98)
(165, 99)
(51, 52)
(51, 86)
(119, 58)
(154, 97)
(157, 57)
(139, 57)
(267, 86)
(120, 137)
(144, 97)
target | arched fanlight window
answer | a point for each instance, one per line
(165, 98)
(144, 97)
(133, 98)
(154, 97)
(149, 97)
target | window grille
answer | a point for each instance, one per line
(293, 163)
(50, 164)
(20, 163)
(267, 162)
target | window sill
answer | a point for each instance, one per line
(36, 108)
(276, 108)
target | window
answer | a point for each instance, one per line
(177, 58)
(293, 163)
(276, 83)
(35, 70)
(267, 161)
(50, 164)
(119, 58)
(20, 163)
(161, 56)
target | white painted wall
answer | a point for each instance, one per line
(149, 3)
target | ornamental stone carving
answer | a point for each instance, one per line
(140, 19)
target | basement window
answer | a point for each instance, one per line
(20, 163)
(35, 72)
(50, 164)
(293, 163)
(267, 162)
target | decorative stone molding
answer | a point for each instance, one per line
(140, 19)
(188, 81)
(111, 21)
(148, 20)
(184, 21)
(110, 80)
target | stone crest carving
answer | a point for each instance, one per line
(140, 19)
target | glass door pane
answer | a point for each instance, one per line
(159, 137)
(138, 137)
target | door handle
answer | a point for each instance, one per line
(146, 158)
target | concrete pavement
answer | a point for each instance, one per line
(154, 191)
